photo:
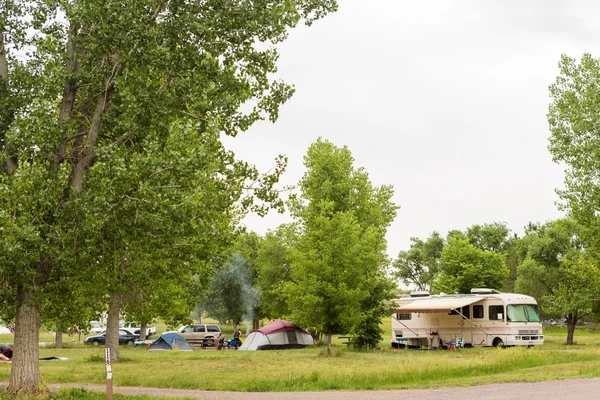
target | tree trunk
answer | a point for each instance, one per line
(329, 334)
(255, 323)
(571, 324)
(143, 330)
(25, 377)
(3, 63)
(112, 326)
(58, 339)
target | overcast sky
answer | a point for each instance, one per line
(445, 100)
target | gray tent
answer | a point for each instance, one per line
(171, 341)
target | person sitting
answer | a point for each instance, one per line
(6, 352)
(221, 338)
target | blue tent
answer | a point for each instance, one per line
(171, 341)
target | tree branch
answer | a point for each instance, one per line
(189, 114)
(164, 85)
(70, 88)
(3, 63)
(11, 163)
(122, 139)
(88, 155)
(68, 97)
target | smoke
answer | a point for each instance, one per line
(250, 295)
(251, 301)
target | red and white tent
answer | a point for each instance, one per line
(278, 334)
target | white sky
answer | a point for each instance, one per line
(445, 100)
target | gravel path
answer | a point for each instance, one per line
(576, 389)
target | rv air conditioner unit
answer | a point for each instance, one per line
(483, 291)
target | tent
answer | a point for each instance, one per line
(171, 341)
(278, 334)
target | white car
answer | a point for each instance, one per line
(150, 330)
(96, 327)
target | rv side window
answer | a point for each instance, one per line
(403, 317)
(478, 311)
(496, 313)
(466, 312)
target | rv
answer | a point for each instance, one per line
(483, 318)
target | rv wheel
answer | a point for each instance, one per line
(498, 342)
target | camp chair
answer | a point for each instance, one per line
(451, 345)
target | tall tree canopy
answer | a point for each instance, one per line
(574, 120)
(466, 259)
(465, 266)
(338, 272)
(273, 266)
(107, 109)
(420, 264)
(559, 273)
(490, 237)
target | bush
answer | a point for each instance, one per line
(367, 336)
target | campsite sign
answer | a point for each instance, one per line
(109, 388)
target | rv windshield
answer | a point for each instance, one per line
(522, 313)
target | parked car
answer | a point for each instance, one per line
(150, 330)
(206, 334)
(126, 336)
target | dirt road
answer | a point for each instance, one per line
(577, 389)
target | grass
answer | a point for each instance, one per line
(82, 394)
(310, 370)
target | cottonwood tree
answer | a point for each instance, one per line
(491, 237)
(166, 221)
(465, 266)
(419, 265)
(559, 272)
(574, 117)
(496, 237)
(339, 259)
(94, 90)
(274, 268)
(513, 257)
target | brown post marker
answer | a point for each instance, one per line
(109, 388)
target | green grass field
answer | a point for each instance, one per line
(310, 369)
(82, 394)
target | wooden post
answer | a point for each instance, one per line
(109, 388)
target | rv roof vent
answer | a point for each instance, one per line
(420, 293)
(483, 291)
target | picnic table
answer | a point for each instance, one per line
(348, 340)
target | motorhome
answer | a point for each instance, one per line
(485, 317)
